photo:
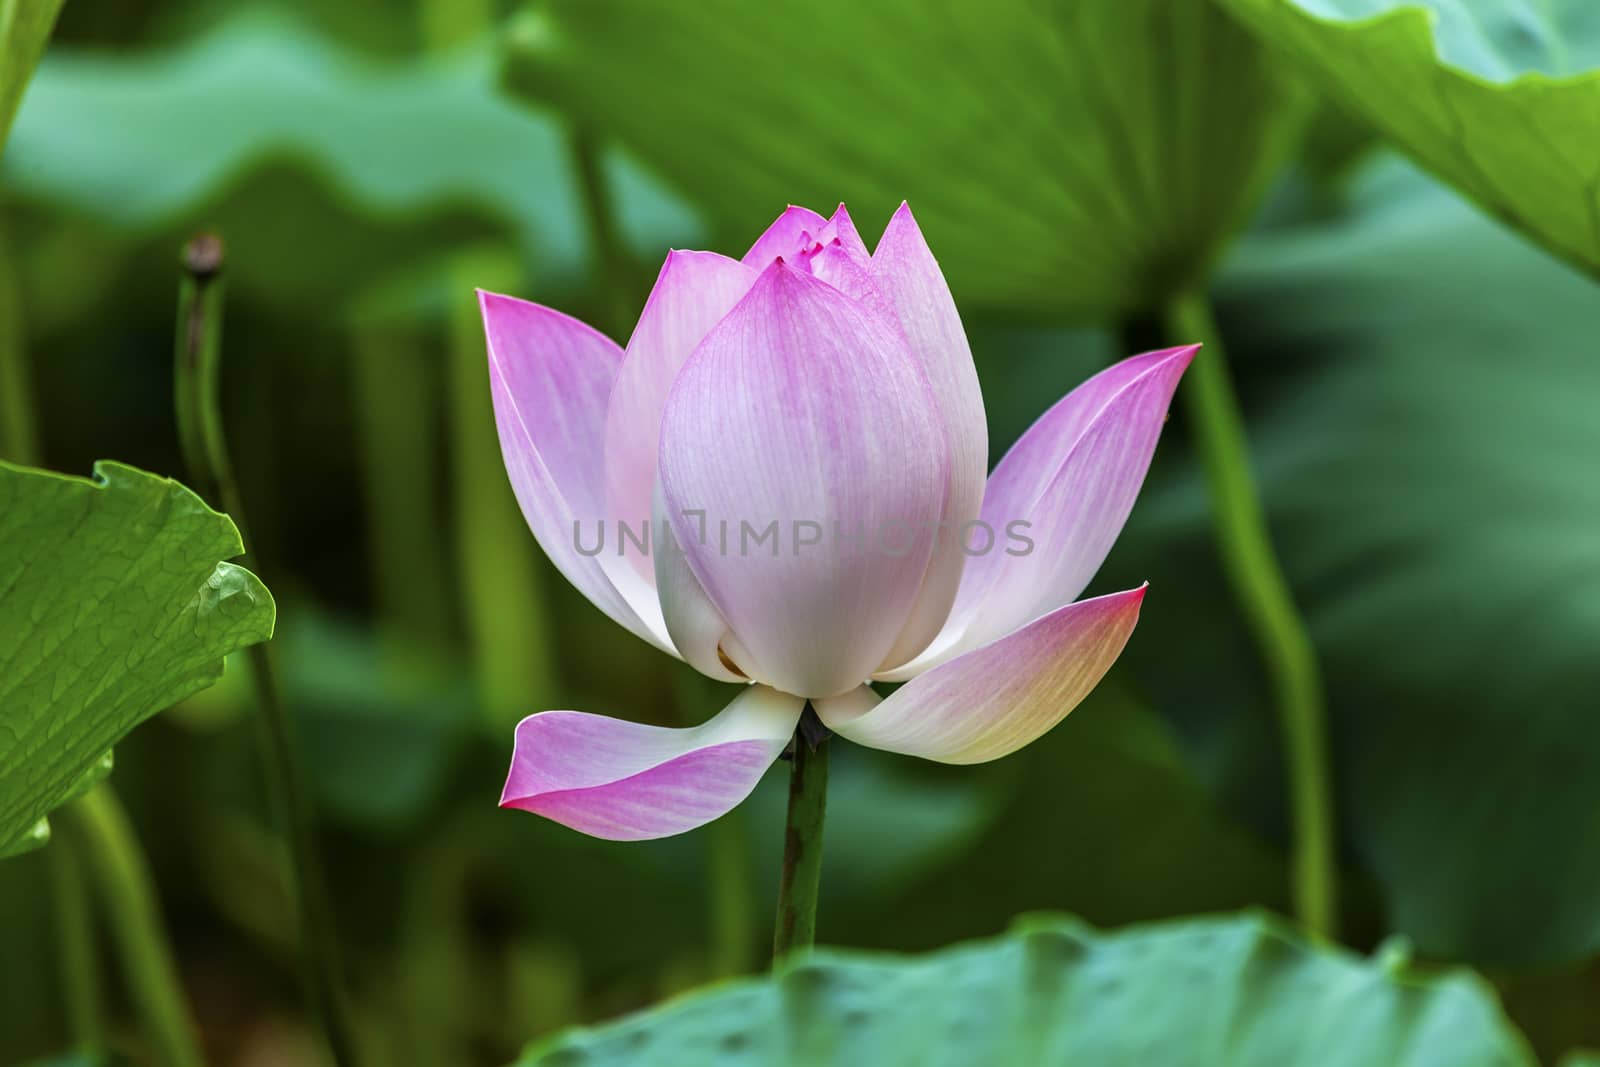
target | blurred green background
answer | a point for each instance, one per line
(1420, 383)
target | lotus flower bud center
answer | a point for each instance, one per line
(810, 247)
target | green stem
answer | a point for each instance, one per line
(396, 385)
(26, 29)
(126, 893)
(796, 926)
(1262, 592)
(611, 263)
(205, 455)
(732, 947)
(196, 378)
(80, 967)
(501, 579)
(18, 435)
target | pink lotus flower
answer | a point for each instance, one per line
(820, 404)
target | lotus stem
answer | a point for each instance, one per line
(128, 896)
(732, 947)
(1262, 593)
(80, 967)
(18, 435)
(801, 876)
(395, 386)
(205, 455)
(612, 268)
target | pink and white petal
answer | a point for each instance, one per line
(784, 237)
(802, 408)
(994, 700)
(1027, 472)
(692, 293)
(625, 781)
(1033, 460)
(842, 229)
(1074, 480)
(909, 277)
(638, 589)
(698, 630)
(550, 378)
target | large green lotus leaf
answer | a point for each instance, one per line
(168, 140)
(1421, 392)
(38, 835)
(1081, 155)
(1215, 992)
(24, 29)
(1501, 98)
(115, 602)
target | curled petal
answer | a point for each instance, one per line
(625, 781)
(909, 278)
(550, 377)
(783, 238)
(1068, 484)
(1074, 488)
(803, 463)
(692, 293)
(992, 701)
(1027, 468)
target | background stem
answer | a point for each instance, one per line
(501, 579)
(205, 455)
(79, 963)
(118, 867)
(1263, 595)
(611, 266)
(396, 383)
(796, 926)
(732, 946)
(18, 435)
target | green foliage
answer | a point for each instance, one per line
(24, 29)
(1501, 100)
(1223, 992)
(228, 128)
(1421, 385)
(38, 835)
(1087, 156)
(116, 605)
